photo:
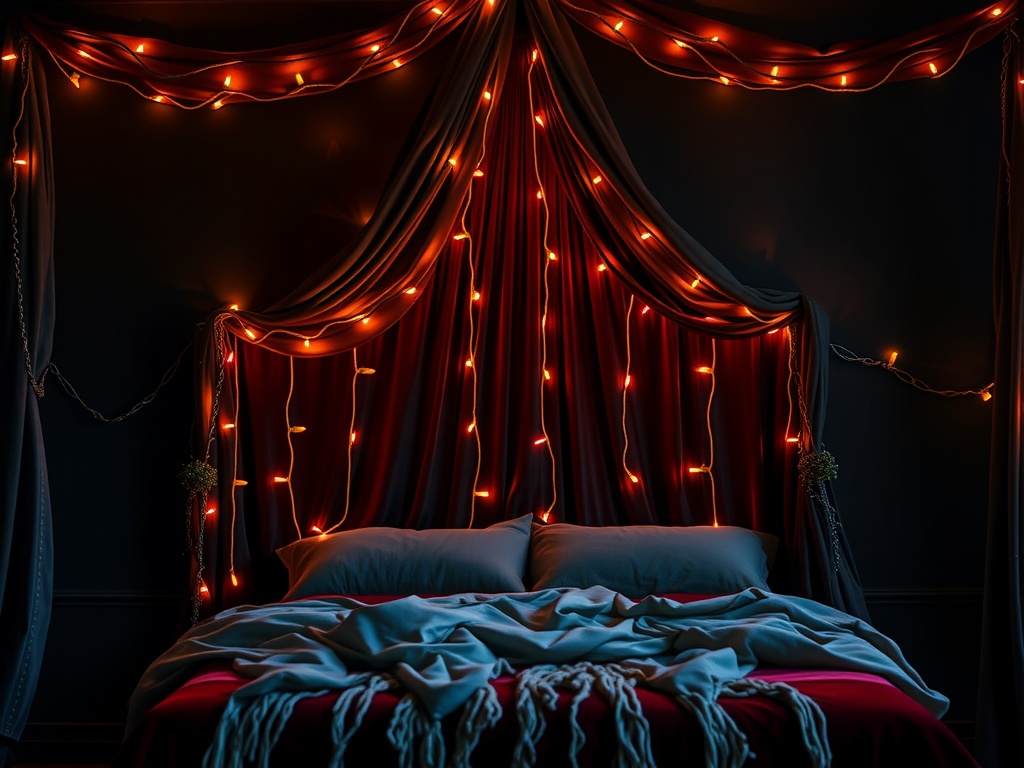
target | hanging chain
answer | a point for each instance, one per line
(38, 385)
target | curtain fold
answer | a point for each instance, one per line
(999, 737)
(26, 242)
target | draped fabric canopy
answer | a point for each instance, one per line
(519, 326)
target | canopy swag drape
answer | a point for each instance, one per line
(503, 353)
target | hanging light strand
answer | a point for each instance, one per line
(291, 448)
(844, 354)
(216, 100)
(547, 257)
(350, 441)
(708, 469)
(474, 326)
(772, 78)
(234, 465)
(790, 365)
(625, 389)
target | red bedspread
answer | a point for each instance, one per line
(870, 723)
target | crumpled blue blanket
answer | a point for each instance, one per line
(443, 651)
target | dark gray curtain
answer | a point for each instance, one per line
(26, 240)
(1000, 724)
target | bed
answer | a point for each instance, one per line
(615, 645)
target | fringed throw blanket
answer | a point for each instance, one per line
(441, 652)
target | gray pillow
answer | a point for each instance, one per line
(397, 561)
(641, 560)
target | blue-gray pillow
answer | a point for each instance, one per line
(641, 560)
(398, 561)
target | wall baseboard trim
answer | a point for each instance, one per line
(924, 596)
(71, 742)
(116, 598)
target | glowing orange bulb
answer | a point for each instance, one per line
(698, 470)
(397, 63)
(724, 79)
(469, 363)
(892, 358)
(229, 426)
(410, 291)
(626, 381)
(540, 120)
(211, 511)
(218, 104)
(487, 95)
(478, 173)
(298, 79)
(279, 479)
(140, 48)
(540, 195)
(21, 162)
(231, 357)
(296, 430)
(452, 162)
(618, 27)
(461, 236)
(633, 478)
(471, 427)
(233, 307)
(695, 283)
(74, 78)
(84, 54)
(842, 81)
(547, 375)
(227, 81)
(352, 437)
(645, 236)
(773, 332)
(552, 256)
(597, 179)
(986, 396)
(250, 334)
(533, 55)
(239, 482)
(792, 439)
(305, 342)
(775, 71)
(714, 39)
(933, 68)
(438, 11)
(476, 295)
(705, 369)
(545, 516)
(482, 494)
(234, 579)
(203, 589)
(602, 268)
(365, 320)
(9, 57)
(681, 44)
(540, 441)
(368, 371)
(997, 11)
(315, 529)
(645, 310)
(374, 48)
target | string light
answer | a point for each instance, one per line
(9, 57)
(842, 81)
(298, 79)
(83, 54)
(775, 71)
(997, 11)
(892, 358)
(21, 162)
(233, 307)
(75, 79)
(374, 48)
(140, 48)
(602, 268)
(250, 334)
(305, 342)
(645, 310)
(645, 236)
(482, 494)
(240, 483)
(410, 291)
(695, 283)
(933, 68)
(227, 81)
(315, 529)
(540, 120)
(478, 173)
(438, 11)
(487, 95)
(397, 63)
(234, 579)
(229, 426)
(625, 388)
(211, 511)
(706, 469)
(618, 27)
(724, 79)
(218, 104)
(546, 297)
(540, 441)
(845, 354)
(452, 162)
(597, 179)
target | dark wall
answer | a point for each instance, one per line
(879, 205)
